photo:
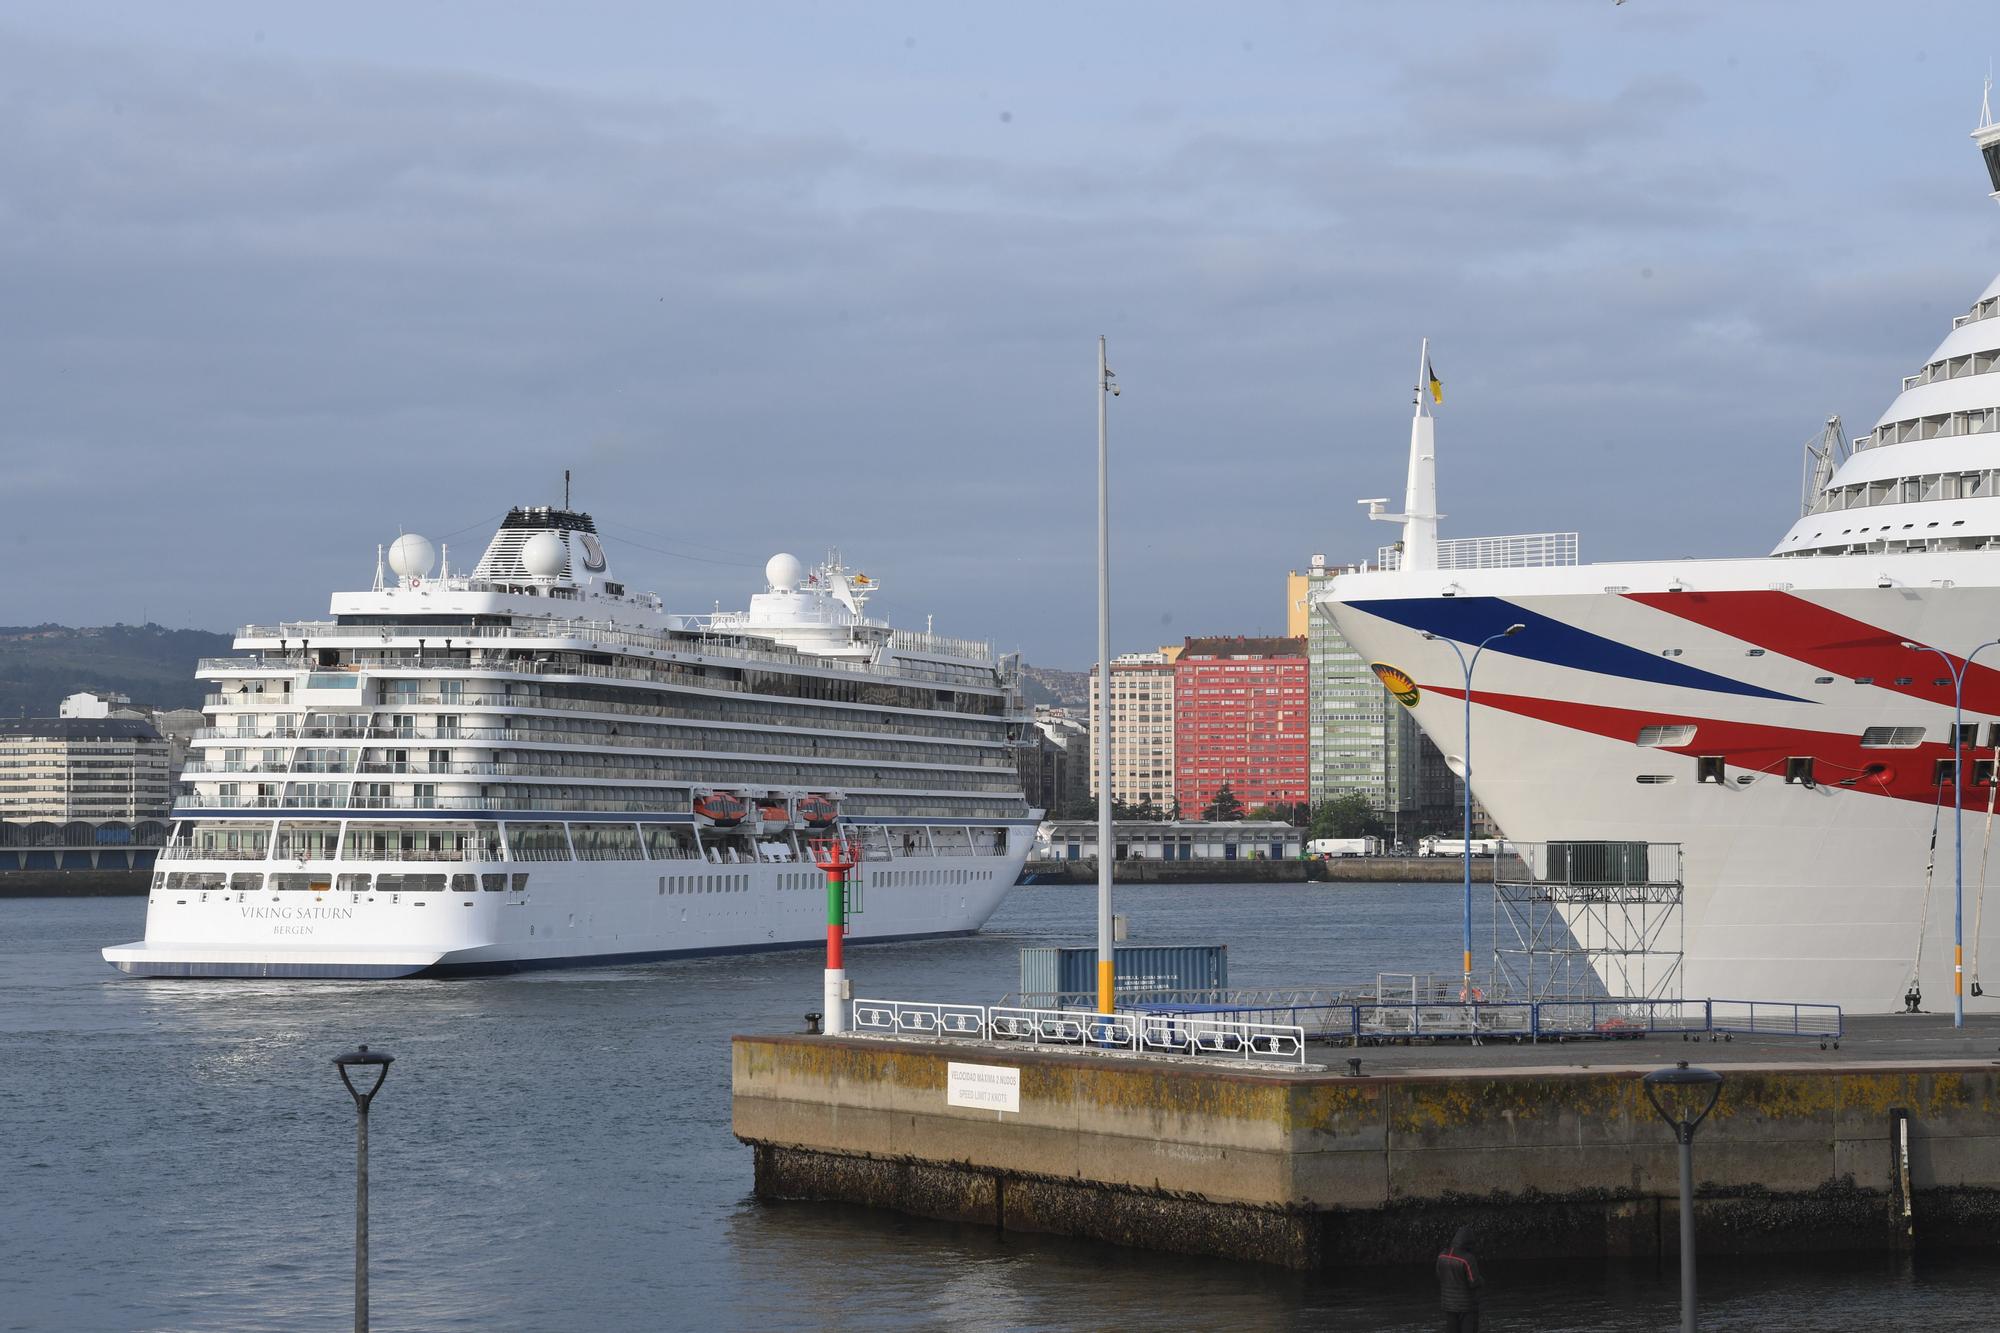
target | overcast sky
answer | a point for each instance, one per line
(281, 281)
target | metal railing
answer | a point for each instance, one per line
(917, 1019)
(1401, 1007)
(1198, 1035)
(1765, 1018)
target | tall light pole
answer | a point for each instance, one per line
(1684, 1097)
(1465, 778)
(1958, 748)
(379, 1061)
(1107, 389)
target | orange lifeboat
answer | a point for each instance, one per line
(773, 813)
(721, 808)
(816, 810)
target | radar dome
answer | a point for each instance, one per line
(412, 556)
(543, 555)
(783, 572)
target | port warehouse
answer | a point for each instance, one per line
(1174, 840)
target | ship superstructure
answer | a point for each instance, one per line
(532, 765)
(1780, 717)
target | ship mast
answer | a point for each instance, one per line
(1420, 516)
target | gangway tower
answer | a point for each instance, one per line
(1579, 919)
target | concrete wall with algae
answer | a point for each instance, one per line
(1311, 1168)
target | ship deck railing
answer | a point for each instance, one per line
(594, 635)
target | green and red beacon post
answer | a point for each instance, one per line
(836, 855)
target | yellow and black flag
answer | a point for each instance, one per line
(1436, 384)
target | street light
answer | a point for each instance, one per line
(362, 1058)
(1684, 1097)
(1957, 671)
(1107, 834)
(1465, 780)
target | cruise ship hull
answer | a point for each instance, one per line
(1827, 887)
(570, 914)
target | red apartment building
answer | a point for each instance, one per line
(1240, 717)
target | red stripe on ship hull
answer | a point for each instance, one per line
(1838, 760)
(1838, 645)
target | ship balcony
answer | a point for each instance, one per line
(553, 804)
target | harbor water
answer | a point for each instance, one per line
(552, 1151)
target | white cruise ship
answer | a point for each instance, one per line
(532, 766)
(1768, 714)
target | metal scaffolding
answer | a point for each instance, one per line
(1573, 920)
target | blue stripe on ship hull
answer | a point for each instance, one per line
(498, 967)
(1470, 619)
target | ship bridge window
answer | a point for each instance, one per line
(1667, 735)
(1892, 738)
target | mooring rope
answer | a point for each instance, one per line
(1930, 878)
(1979, 902)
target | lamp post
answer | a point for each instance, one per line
(1957, 670)
(1465, 779)
(1684, 1097)
(1107, 842)
(362, 1058)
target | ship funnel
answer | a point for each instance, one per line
(534, 544)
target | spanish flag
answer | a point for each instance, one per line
(1437, 385)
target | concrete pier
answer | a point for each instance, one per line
(1551, 1151)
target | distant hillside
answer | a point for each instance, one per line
(152, 664)
(1048, 685)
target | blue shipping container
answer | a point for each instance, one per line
(1048, 970)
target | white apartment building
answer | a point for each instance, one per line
(1142, 728)
(83, 769)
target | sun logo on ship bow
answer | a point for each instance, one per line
(1397, 682)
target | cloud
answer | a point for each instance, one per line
(266, 312)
